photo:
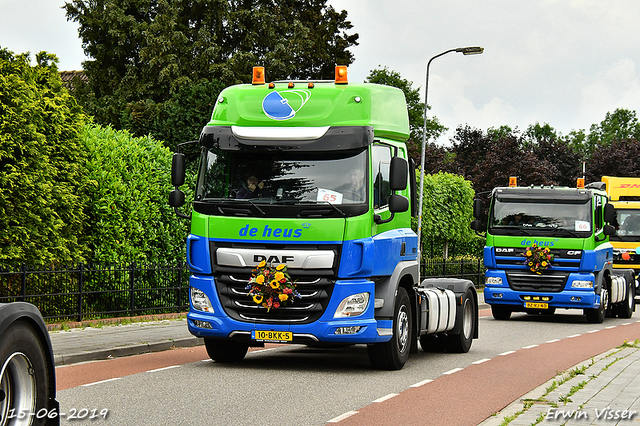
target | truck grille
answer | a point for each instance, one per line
(315, 293)
(528, 281)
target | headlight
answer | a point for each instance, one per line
(582, 284)
(493, 281)
(352, 306)
(200, 301)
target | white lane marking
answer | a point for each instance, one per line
(384, 398)
(455, 370)
(101, 381)
(593, 331)
(553, 341)
(342, 416)
(506, 353)
(480, 361)
(424, 382)
(163, 368)
(573, 335)
(529, 347)
(613, 326)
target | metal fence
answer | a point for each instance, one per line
(97, 291)
(88, 291)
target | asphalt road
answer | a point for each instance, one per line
(297, 385)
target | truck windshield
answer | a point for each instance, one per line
(515, 217)
(283, 177)
(628, 225)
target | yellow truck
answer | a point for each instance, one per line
(624, 194)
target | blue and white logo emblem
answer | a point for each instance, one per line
(284, 105)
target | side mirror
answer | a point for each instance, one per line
(398, 203)
(398, 173)
(476, 225)
(177, 170)
(608, 230)
(477, 208)
(609, 213)
(176, 198)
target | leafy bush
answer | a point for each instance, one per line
(129, 184)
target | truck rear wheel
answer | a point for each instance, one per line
(392, 355)
(501, 312)
(628, 305)
(225, 350)
(596, 316)
(24, 379)
(461, 343)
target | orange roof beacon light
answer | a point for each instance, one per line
(580, 183)
(513, 181)
(258, 75)
(341, 74)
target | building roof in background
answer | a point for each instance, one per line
(69, 76)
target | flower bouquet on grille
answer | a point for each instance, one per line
(271, 287)
(538, 259)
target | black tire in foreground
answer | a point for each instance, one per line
(392, 355)
(27, 377)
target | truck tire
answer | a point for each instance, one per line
(461, 343)
(628, 305)
(392, 355)
(596, 316)
(501, 312)
(225, 350)
(24, 380)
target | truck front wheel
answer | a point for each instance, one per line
(392, 355)
(225, 350)
(501, 312)
(596, 316)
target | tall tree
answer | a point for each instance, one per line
(547, 145)
(415, 110)
(620, 158)
(617, 126)
(144, 51)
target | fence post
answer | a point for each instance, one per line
(480, 273)
(179, 304)
(132, 274)
(80, 286)
(23, 284)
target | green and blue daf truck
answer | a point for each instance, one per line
(548, 248)
(301, 226)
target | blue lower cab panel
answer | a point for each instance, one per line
(571, 298)
(323, 330)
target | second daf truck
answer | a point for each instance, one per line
(548, 248)
(301, 226)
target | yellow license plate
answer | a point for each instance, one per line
(272, 336)
(534, 305)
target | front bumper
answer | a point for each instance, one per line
(219, 325)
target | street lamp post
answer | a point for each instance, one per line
(472, 50)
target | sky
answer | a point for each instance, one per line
(561, 62)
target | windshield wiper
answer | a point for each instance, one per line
(565, 231)
(315, 203)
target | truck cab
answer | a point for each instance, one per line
(548, 248)
(301, 223)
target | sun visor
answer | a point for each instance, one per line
(235, 138)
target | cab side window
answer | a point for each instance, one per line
(381, 162)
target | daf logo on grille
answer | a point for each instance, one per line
(272, 259)
(505, 250)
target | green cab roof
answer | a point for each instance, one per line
(324, 104)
